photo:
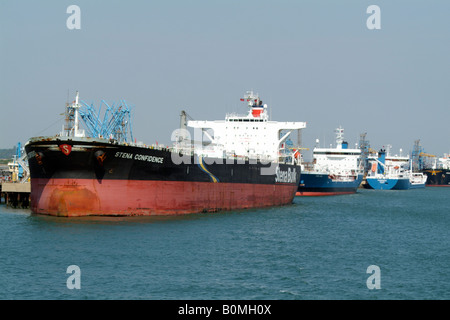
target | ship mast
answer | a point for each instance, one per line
(76, 107)
(72, 126)
(339, 136)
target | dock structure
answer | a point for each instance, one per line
(16, 195)
(15, 188)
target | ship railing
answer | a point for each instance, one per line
(343, 178)
(232, 156)
(190, 151)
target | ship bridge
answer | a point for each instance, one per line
(252, 135)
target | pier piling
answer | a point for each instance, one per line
(16, 195)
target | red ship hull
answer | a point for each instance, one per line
(83, 197)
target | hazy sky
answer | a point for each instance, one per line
(313, 61)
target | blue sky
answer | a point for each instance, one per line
(313, 61)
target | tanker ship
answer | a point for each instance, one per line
(236, 163)
(438, 175)
(390, 172)
(334, 171)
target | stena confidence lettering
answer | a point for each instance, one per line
(140, 157)
(286, 176)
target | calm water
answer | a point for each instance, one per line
(317, 248)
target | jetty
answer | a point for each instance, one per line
(15, 187)
(16, 194)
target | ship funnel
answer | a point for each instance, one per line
(382, 159)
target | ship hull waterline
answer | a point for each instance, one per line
(388, 183)
(320, 184)
(82, 197)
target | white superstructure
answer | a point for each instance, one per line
(251, 136)
(442, 163)
(339, 161)
(388, 165)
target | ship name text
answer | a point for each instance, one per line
(286, 176)
(141, 157)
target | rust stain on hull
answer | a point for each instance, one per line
(65, 201)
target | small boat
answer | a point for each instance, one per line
(417, 180)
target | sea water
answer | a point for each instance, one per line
(369, 245)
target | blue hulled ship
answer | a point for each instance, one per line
(393, 173)
(333, 170)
